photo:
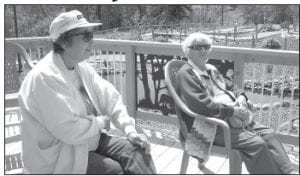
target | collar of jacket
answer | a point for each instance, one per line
(196, 68)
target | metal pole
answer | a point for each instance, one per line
(222, 9)
(17, 35)
(15, 21)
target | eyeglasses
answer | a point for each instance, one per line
(87, 36)
(199, 47)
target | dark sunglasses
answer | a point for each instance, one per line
(87, 36)
(199, 47)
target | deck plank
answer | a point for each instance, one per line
(192, 166)
(159, 150)
(173, 167)
(167, 155)
(164, 160)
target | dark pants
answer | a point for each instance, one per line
(116, 155)
(260, 149)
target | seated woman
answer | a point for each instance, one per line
(203, 90)
(66, 106)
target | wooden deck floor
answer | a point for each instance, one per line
(167, 154)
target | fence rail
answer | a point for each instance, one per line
(263, 74)
(229, 34)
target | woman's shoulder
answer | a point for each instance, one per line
(45, 67)
(186, 73)
(185, 69)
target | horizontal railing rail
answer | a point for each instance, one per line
(254, 71)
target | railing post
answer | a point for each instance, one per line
(180, 39)
(185, 32)
(226, 39)
(152, 31)
(253, 42)
(285, 42)
(256, 32)
(214, 35)
(131, 81)
(235, 31)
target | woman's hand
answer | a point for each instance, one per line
(251, 106)
(103, 122)
(243, 114)
(241, 101)
(140, 140)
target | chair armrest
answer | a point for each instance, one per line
(21, 50)
(291, 121)
(214, 120)
(222, 123)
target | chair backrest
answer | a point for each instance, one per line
(171, 70)
(12, 124)
(13, 51)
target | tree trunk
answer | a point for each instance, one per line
(17, 35)
(43, 11)
(15, 20)
(222, 12)
(139, 7)
(144, 73)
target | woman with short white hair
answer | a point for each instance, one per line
(202, 89)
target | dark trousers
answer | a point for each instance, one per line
(260, 149)
(116, 155)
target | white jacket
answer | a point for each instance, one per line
(55, 134)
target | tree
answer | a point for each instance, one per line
(33, 20)
(274, 13)
(144, 79)
(226, 8)
(9, 21)
(169, 14)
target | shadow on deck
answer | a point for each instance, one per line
(165, 150)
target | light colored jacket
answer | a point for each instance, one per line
(55, 136)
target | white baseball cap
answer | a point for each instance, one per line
(67, 21)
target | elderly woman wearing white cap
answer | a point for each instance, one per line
(203, 89)
(65, 105)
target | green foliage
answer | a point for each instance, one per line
(284, 24)
(168, 14)
(34, 20)
(271, 44)
(161, 39)
(276, 14)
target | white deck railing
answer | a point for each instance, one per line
(270, 77)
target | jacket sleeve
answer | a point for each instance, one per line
(55, 101)
(111, 104)
(240, 92)
(196, 96)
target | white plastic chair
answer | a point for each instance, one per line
(235, 162)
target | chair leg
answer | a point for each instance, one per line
(25, 171)
(235, 162)
(184, 163)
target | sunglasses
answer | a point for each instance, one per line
(87, 36)
(199, 47)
